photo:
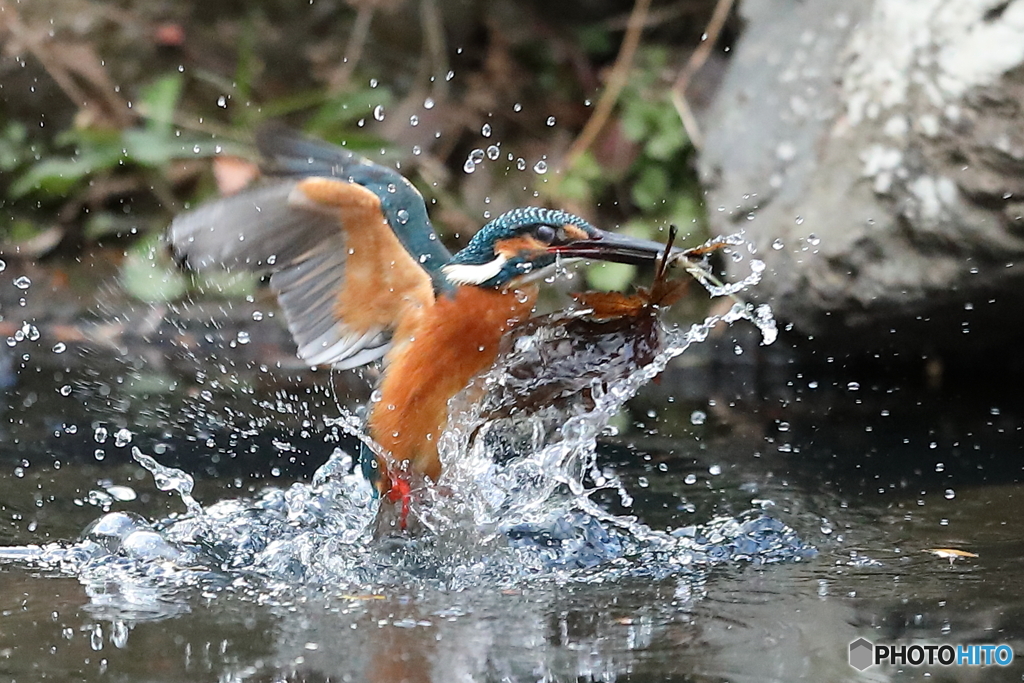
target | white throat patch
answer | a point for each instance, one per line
(466, 274)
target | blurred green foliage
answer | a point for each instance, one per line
(97, 182)
(103, 150)
(661, 181)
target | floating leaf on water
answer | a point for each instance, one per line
(951, 554)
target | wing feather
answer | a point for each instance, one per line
(345, 282)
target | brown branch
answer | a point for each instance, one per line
(354, 48)
(616, 81)
(434, 46)
(71, 65)
(660, 15)
(693, 65)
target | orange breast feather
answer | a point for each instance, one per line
(454, 340)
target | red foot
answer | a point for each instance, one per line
(400, 491)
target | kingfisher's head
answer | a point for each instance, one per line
(516, 246)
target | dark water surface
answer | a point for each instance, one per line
(872, 475)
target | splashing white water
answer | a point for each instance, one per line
(170, 479)
(515, 500)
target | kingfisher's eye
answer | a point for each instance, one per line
(545, 233)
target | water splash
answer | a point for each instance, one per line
(170, 479)
(516, 500)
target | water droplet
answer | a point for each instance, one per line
(242, 337)
(950, 494)
(65, 390)
(22, 282)
(477, 155)
(222, 102)
(690, 479)
(428, 103)
(122, 437)
(486, 130)
(698, 417)
(257, 315)
(493, 152)
(122, 493)
(541, 167)
(813, 240)
(550, 121)
(3, 265)
(777, 245)
(392, 188)
(715, 470)
(417, 150)
(170, 479)
(403, 216)
(449, 76)
(60, 347)
(378, 112)
(517, 107)
(469, 166)
(853, 386)
(100, 435)
(521, 164)
(414, 120)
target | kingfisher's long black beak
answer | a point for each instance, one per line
(610, 246)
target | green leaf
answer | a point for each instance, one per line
(148, 274)
(154, 148)
(21, 230)
(610, 276)
(245, 72)
(158, 100)
(635, 119)
(666, 143)
(13, 149)
(58, 176)
(583, 180)
(650, 189)
(342, 111)
(228, 284)
(686, 210)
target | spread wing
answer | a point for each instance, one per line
(340, 256)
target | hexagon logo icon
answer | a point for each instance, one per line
(862, 654)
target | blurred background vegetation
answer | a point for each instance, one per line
(116, 114)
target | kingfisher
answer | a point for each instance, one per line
(361, 276)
